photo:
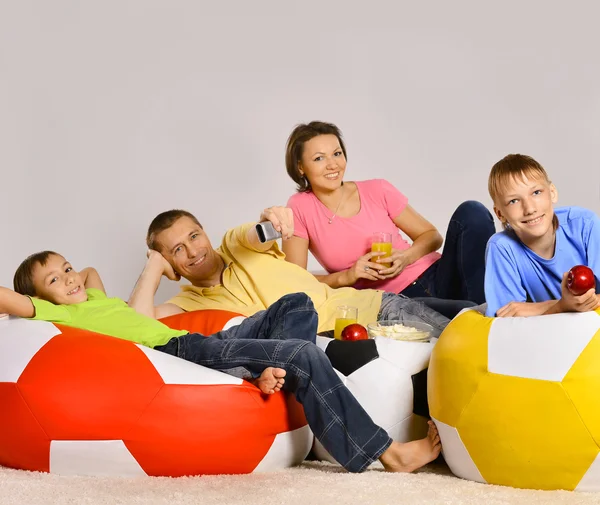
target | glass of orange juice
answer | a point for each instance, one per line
(382, 242)
(344, 315)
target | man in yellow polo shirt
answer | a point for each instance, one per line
(246, 276)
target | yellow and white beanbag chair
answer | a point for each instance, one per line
(517, 400)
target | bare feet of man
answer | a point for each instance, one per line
(271, 380)
(412, 455)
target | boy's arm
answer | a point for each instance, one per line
(91, 279)
(502, 281)
(593, 249)
(526, 309)
(15, 304)
(142, 297)
(571, 303)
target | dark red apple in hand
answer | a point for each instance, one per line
(355, 332)
(580, 279)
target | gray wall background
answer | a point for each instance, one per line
(113, 111)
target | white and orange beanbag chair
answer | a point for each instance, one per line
(76, 402)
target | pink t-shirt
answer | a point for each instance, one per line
(338, 245)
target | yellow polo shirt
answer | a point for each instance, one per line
(253, 280)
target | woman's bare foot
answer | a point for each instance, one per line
(271, 380)
(412, 455)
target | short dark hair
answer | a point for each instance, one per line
(23, 280)
(301, 134)
(163, 222)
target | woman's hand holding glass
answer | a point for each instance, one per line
(399, 261)
(366, 268)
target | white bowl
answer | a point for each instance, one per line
(408, 331)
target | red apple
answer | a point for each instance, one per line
(355, 332)
(580, 280)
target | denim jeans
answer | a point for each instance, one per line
(405, 309)
(283, 336)
(458, 274)
(448, 308)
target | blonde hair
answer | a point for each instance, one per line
(515, 166)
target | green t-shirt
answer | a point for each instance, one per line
(109, 316)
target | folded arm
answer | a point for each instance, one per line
(142, 297)
(15, 304)
(91, 279)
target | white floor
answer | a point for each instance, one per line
(312, 483)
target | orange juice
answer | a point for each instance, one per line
(340, 324)
(385, 247)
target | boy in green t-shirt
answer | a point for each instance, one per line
(272, 344)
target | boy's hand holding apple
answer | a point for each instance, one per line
(579, 290)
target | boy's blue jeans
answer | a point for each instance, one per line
(284, 336)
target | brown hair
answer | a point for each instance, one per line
(301, 134)
(163, 222)
(23, 279)
(515, 166)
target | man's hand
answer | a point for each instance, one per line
(582, 303)
(142, 298)
(159, 261)
(282, 219)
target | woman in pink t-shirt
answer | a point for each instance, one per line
(335, 220)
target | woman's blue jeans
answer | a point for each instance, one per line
(458, 275)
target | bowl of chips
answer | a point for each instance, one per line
(408, 331)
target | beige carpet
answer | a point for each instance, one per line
(311, 483)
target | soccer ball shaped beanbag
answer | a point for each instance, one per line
(516, 399)
(76, 402)
(388, 378)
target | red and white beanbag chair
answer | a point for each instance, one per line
(77, 402)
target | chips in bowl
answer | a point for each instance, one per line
(410, 331)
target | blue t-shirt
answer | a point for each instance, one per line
(513, 272)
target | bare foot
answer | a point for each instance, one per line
(271, 380)
(412, 455)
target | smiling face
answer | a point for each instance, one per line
(323, 163)
(189, 251)
(58, 282)
(525, 203)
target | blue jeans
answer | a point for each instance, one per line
(284, 336)
(458, 274)
(404, 309)
(448, 308)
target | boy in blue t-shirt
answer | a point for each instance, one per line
(527, 263)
